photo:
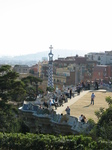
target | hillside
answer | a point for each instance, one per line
(31, 59)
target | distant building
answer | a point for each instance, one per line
(44, 59)
(69, 70)
(21, 69)
(34, 70)
(102, 58)
(102, 72)
(43, 69)
(73, 70)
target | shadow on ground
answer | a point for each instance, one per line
(87, 106)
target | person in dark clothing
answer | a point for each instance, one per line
(83, 119)
(67, 110)
(45, 104)
(83, 86)
(70, 93)
(78, 90)
(96, 85)
(88, 86)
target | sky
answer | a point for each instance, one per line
(31, 26)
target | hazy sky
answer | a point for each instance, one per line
(30, 26)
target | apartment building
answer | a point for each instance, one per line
(42, 68)
(70, 70)
(102, 72)
(34, 70)
(21, 69)
(102, 58)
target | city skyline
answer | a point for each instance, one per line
(32, 26)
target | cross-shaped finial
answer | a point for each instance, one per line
(50, 47)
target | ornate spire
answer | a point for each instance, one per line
(50, 71)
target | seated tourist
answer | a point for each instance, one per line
(45, 104)
(51, 102)
(60, 117)
(60, 102)
(56, 103)
(84, 119)
(63, 97)
(64, 118)
(81, 117)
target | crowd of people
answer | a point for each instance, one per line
(56, 99)
(59, 97)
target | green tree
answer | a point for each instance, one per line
(31, 87)
(50, 89)
(104, 125)
(11, 89)
(109, 100)
(99, 112)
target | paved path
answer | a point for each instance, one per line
(81, 104)
(70, 102)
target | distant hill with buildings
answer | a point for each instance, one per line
(31, 59)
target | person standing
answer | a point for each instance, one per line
(70, 93)
(92, 98)
(67, 110)
(78, 90)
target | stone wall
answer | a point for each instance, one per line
(53, 123)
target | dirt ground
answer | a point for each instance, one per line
(83, 106)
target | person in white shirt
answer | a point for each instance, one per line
(80, 118)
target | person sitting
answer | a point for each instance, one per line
(64, 118)
(45, 104)
(60, 117)
(60, 101)
(63, 97)
(56, 103)
(81, 117)
(51, 102)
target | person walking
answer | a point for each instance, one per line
(92, 98)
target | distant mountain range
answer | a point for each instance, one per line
(31, 59)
